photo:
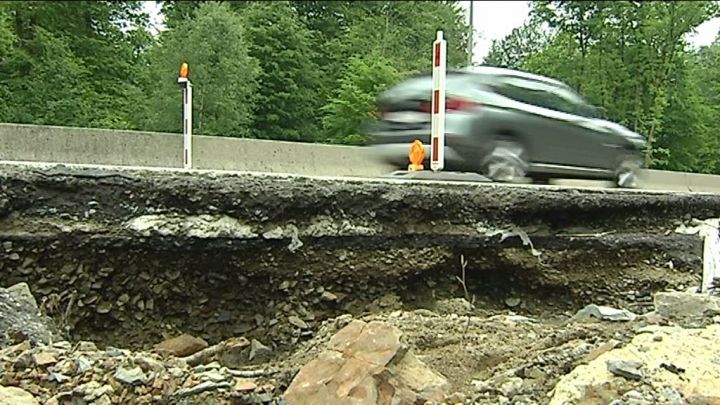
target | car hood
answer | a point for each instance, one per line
(622, 131)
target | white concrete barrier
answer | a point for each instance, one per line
(133, 148)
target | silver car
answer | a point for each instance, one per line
(508, 125)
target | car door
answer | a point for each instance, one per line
(540, 125)
(589, 143)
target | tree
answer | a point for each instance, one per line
(287, 103)
(93, 46)
(214, 45)
(403, 33)
(45, 82)
(7, 38)
(354, 100)
(522, 42)
(398, 33)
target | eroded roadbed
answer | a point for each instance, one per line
(127, 258)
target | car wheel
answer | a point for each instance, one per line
(506, 162)
(626, 174)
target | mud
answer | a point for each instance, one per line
(129, 257)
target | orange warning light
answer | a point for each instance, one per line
(184, 70)
(417, 156)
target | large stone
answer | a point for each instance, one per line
(366, 363)
(16, 396)
(684, 361)
(130, 376)
(604, 314)
(21, 292)
(181, 346)
(20, 319)
(259, 351)
(686, 307)
(233, 352)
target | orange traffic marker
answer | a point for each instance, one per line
(417, 156)
(184, 70)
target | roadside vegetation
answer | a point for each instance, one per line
(310, 70)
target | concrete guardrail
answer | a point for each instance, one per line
(133, 148)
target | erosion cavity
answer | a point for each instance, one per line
(128, 258)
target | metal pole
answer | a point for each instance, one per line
(437, 119)
(187, 126)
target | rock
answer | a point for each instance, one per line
(83, 364)
(20, 319)
(202, 387)
(511, 386)
(376, 368)
(297, 322)
(328, 296)
(455, 398)
(147, 363)
(692, 350)
(512, 302)
(603, 313)
(16, 396)
(259, 351)
(213, 376)
(233, 352)
(21, 292)
(670, 396)
(104, 307)
(627, 369)
(695, 399)
(130, 376)
(44, 359)
(181, 346)
(85, 346)
(686, 307)
(459, 306)
(103, 400)
(245, 385)
(58, 377)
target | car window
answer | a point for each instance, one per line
(580, 105)
(541, 95)
(520, 93)
(557, 103)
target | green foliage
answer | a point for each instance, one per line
(522, 42)
(401, 33)
(71, 63)
(54, 90)
(259, 69)
(224, 76)
(7, 38)
(354, 101)
(287, 104)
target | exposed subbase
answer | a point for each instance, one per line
(127, 258)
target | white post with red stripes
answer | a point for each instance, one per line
(437, 123)
(187, 121)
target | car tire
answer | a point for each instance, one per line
(627, 172)
(506, 162)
